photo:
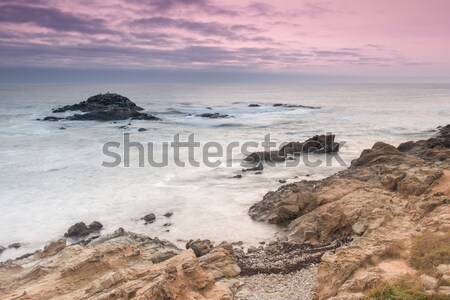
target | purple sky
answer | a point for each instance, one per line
(345, 37)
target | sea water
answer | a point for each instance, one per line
(52, 178)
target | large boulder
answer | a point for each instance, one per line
(80, 229)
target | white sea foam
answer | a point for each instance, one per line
(52, 178)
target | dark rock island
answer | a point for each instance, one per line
(104, 107)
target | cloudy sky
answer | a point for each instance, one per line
(311, 37)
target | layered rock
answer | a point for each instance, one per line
(103, 107)
(386, 197)
(122, 265)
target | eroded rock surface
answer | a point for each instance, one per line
(387, 197)
(122, 265)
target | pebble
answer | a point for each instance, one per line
(298, 285)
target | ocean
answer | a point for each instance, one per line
(52, 178)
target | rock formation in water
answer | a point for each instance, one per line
(104, 107)
(318, 144)
(388, 198)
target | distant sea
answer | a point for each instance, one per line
(52, 178)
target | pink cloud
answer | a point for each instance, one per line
(344, 36)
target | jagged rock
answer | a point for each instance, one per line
(150, 218)
(122, 265)
(104, 107)
(200, 247)
(316, 144)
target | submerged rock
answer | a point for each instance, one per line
(15, 246)
(2, 249)
(104, 107)
(295, 105)
(52, 118)
(168, 214)
(213, 115)
(253, 105)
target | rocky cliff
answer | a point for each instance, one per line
(387, 200)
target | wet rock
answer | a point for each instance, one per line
(15, 246)
(95, 226)
(168, 214)
(253, 105)
(271, 156)
(258, 173)
(317, 144)
(282, 181)
(200, 247)
(295, 105)
(113, 114)
(213, 116)
(237, 176)
(80, 229)
(52, 118)
(142, 129)
(77, 230)
(167, 224)
(150, 218)
(62, 128)
(2, 249)
(104, 107)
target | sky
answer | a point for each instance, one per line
(224, 38)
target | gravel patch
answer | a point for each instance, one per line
(297, 285)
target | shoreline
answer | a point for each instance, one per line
(387, 190)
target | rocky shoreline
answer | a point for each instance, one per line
(347, 235)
